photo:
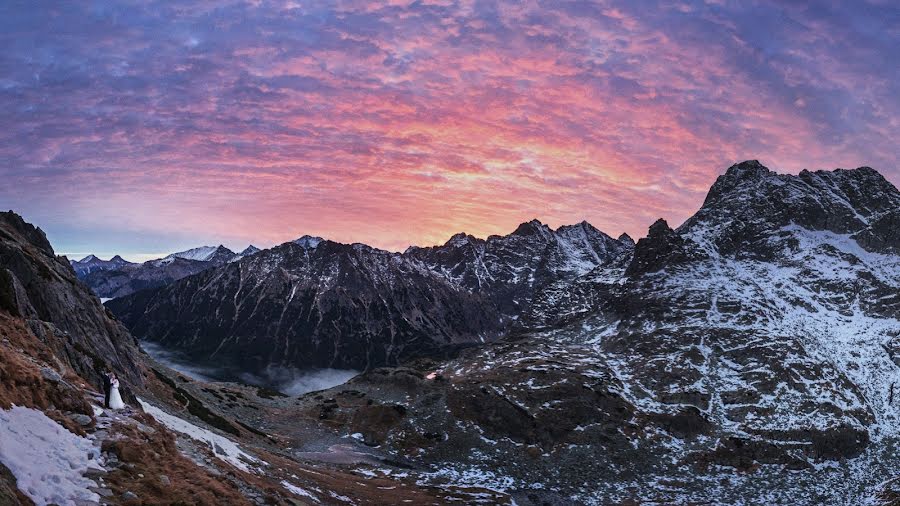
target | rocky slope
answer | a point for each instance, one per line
(171, 445)
(754, 344)
(42, 290)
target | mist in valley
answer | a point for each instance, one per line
(287, 380)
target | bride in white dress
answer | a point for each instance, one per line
(115, 399)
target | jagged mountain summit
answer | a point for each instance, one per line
(308, 241)
(509, 269)
(249, 250)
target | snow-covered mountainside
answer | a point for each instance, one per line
(760, 337)
(749, 356)
(91, 264)
(308, 241)
(215, 254)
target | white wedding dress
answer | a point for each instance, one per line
(115, 399)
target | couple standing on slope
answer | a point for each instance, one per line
(112, 399)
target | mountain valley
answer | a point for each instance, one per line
(747, 356)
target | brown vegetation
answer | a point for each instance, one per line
(156, 472)
(29, 376)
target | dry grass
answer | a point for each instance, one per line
(21, 381)
(148, 455)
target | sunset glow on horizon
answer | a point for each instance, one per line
(147, 127)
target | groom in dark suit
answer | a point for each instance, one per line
(107, 388)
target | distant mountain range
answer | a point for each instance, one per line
(117, 277)
(91, 264)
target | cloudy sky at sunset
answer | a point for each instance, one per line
(140, 127)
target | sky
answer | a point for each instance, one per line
(142, 127)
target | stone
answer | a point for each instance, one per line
(50, 375)
(103, 492)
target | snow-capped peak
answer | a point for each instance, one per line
(249, 250)
(308, 241)
(203, 253)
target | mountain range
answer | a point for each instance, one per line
(317, 303)
(760, 335)
(747, 356)
(117, 277)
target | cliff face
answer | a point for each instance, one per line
(41, 289)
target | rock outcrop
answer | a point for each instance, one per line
(42, 289)
(662, 247)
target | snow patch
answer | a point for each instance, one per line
(222, 447)
(47, 460)
(203, 253)
(302, 492)
(308, 241)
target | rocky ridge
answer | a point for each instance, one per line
(322, 305)
(91, 264)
